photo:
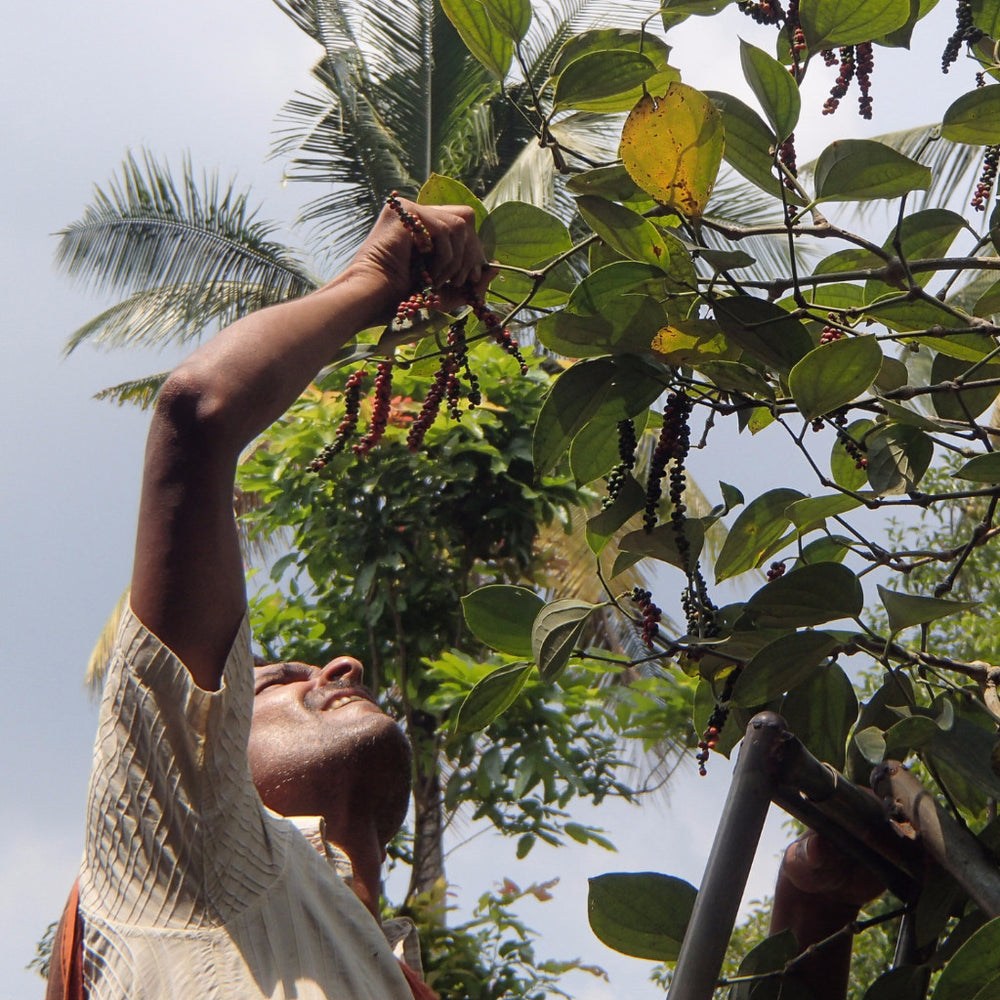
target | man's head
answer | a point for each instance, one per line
(320, 745)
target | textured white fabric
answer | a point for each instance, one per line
(190, 888)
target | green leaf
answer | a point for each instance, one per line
(734, 377)
(441, 190)
(770, 955)
(833, 374)
(810, 595)
(523, 235)
(502, 617)
(602, 527)
(967, 749)
(813, 511)
(602, 81)
(574, 398)
(862, 169)
(642, 914)
(906, 610)
(826, 548)
(774, 87)
(966, 402)
(597, 40)
(594, 451)
(908, 735)
(830, 23)
(661, 543)
(602, 39)
(627, 326)
(556, 633)
(491, 696)
(821, 711)
(986, 15)
(758, 526)
(764, 330)
(512, 17)
(780, 666)
(905, 982)
(625, 231)
(749, 142)
(973, 972)
(974, 118)
(482, 37)
(898, 457)
(982, 469)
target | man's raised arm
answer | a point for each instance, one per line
(187, 579)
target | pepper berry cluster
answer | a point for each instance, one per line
(716, 721)
(673, 445)
(762, 11)
(454, 359)
(651, 615)
(380, 410)
(775, 571)
(849, 444)
(352, 407)
(987, 178)
(830, 334)
(699, 610)
(626, 461)
(965, 31)
(786, 156)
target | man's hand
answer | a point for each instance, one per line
(388, 254)
(814, 866)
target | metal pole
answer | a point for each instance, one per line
(708, 932)
(953, 848)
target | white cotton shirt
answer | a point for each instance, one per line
(190, 887)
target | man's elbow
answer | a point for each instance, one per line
(192, 412)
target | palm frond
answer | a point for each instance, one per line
(100, 655)
(175, 313)
(141, 392)
(145, 230)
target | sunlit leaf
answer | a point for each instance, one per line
(833, 374)
(829, 23)
(672, 147)
(626, 231)
(602, 81)
(491, 697)
(642, 914)
(512, 17)
(813, 511)
(441, 190)
(661, 543)
(523, 235)
(690, 341)
(485, 41)
(502, 617)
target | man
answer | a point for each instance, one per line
(193, 884)
(190, 887)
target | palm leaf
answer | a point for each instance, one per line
(141, 392)
(146, 231)
(175, 313)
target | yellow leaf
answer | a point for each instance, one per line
(672, 147)
(690, 340)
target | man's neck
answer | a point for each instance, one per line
(362, 847)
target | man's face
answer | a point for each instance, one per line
(320, 745)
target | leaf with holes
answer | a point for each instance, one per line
(672, 148)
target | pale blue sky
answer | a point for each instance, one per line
(81, 85)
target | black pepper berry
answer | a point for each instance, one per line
(965, 31)
(651, 615)
(352, 406)
(380, 410)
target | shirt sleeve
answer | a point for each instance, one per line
(175, 830)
